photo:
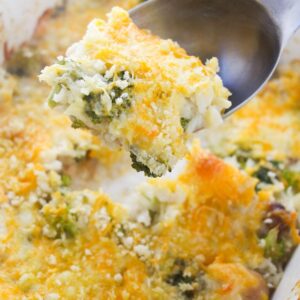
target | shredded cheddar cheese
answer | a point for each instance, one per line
(136, 90)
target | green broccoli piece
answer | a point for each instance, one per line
(90, 103)
(242, 156)
(140, 167)
(275, 247)
(292, 179)
(65, 226)
(263, 175)
(54, 91)
(76, 123)
(93, 104)
(276, 164)
(66, 180)
(184, 123)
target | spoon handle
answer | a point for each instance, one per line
(287, 15)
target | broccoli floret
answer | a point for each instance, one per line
(152, 166)
(64, 225)
(178, 277)
(275, 247)
(101, 103)
(66, 180)
(76, 123)
(276, 234)
(184, 123)
(121, 100)
(92, 101)
(117, 93)
(242, 155)
(292, 179)
(140, 167)
(263, 175)
(276, 164)
(54, 91)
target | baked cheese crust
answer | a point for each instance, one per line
(223, 228)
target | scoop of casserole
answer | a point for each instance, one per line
(137, 91)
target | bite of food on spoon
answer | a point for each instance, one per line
(137, 91)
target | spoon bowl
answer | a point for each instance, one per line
(244, 35)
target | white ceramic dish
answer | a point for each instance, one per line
(18, 20)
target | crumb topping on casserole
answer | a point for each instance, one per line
(221, 228)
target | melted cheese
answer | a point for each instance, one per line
(193, 235)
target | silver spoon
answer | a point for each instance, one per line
(247, 36)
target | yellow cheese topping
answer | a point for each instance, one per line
(211, 232)
(59, 244)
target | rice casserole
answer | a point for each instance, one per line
(222, 226)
